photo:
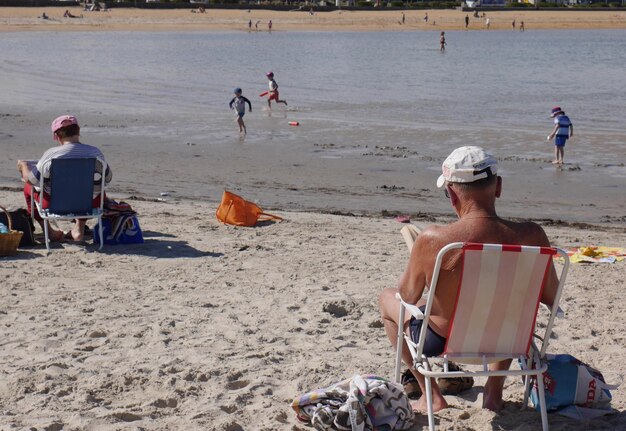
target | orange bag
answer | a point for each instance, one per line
(237, 211)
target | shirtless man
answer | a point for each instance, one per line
(471, 183)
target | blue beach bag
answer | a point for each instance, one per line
(124, 229)
(570, 382)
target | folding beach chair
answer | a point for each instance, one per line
(71, 192)
(494, 315)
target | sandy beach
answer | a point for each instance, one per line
(26, 19)
(218, 328)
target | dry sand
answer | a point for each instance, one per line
(24, 19)
(209, 327)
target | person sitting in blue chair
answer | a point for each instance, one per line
(66, 132)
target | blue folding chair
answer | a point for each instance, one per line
(71, 192)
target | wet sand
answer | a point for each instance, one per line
(26, 19)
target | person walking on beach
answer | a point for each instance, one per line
(563, 130)
(442, 41)
(256, 25)
(238, 103)
(513, 24)
(269, 25)
(472, 186)
(425, 17)
(488, 23)
(273, 93)
(403, 18)
(466, 21)
(249, 25)
(521, 26)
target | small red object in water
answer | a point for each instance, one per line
(294, 123)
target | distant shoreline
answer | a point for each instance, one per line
(134, 19)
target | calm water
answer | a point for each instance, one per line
(351, 92)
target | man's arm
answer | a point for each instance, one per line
(230, 104)
(552, 281)
(571, 130)
(413, 280)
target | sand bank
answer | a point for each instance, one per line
(218, 328)
(26, 19)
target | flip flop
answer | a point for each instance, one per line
(454, 385)
(411, 387)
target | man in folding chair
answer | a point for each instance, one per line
(66, 132)
(471, 183)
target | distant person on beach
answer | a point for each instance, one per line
(44, 16)
(273, 90)
(471, 184)
(442, 41)
(67, 14)
(521, 26)
(488, 23)
(426, 17)
(403, 18)
(466, 21)
(563, 130)
(513, 24)
(256, 25)
(238, 103)
(250, 25)
(66, 132)
(269, 25)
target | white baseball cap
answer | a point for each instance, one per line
(466, 165)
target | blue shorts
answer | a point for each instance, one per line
(240, 114)
(434, 343)
(559, 140)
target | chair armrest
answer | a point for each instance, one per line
(412, 308)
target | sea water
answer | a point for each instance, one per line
(376, 109)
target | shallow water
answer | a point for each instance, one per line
(376, 110)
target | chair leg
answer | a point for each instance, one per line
(46, 237)
(399, 345)
(542, 402)
(100, 232)
(429, 403)
(527, 387)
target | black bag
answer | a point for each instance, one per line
(21, 221)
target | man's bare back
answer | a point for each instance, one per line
(481, 229)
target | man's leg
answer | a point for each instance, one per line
(390, 311)
(78, 231)
(492, 397)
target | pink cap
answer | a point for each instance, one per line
(269, 74)
(63, 121)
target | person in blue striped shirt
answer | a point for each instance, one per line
(563, 130)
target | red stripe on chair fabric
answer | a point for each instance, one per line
(490, 341)
(466, 299)
(456, 300)
(473, 246)
(531, 304)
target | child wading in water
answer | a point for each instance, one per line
(238, 103)
(563, 130)
(273, 93)
(442, 41)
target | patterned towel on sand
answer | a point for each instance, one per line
(361, 403)
(599, 254)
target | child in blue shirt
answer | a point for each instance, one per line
(238, 103)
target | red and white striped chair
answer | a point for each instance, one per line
(494, 315)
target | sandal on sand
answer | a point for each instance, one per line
(454, 385)
(411, 387)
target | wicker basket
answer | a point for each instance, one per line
(9, 241)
